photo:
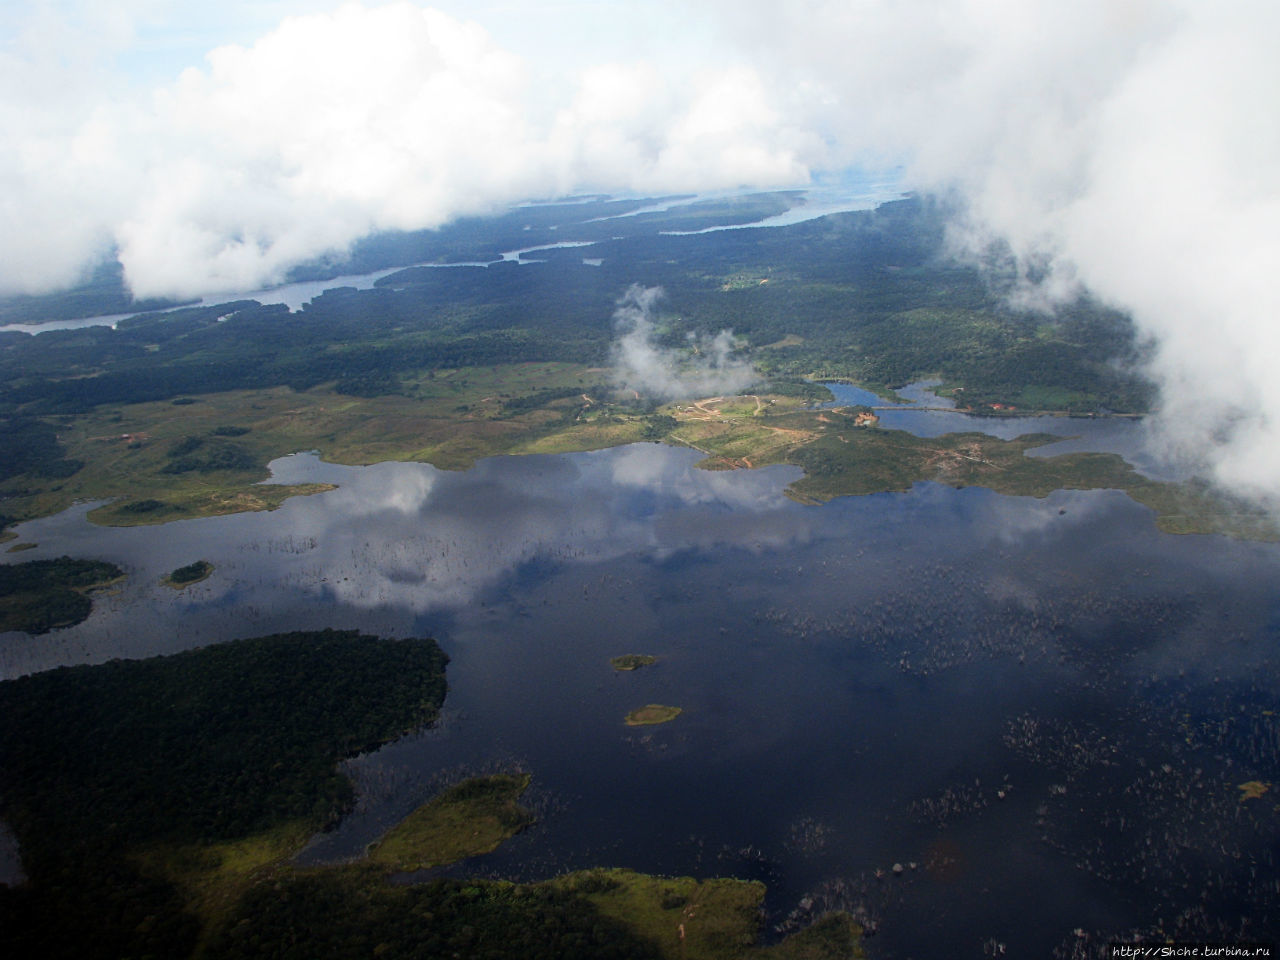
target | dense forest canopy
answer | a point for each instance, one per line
(869, 292)
(205, 746)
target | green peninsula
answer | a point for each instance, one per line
(469, 819)
(843, 453)
(43, 595)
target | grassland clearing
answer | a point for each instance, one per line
(632, 661)
(467, 820)
(447, 418)
(651, 715)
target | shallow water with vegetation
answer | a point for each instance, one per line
(927, 708)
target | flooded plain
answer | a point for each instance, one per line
(982, 723)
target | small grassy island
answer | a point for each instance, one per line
(632, 661)
(191, 573)
(467, 820)
(652, 714)
(43, 595)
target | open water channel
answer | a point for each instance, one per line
(981, 722)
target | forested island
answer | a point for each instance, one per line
(192, 573)
(43, 595)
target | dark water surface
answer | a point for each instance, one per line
(1040, 710)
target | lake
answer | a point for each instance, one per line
(1040, 711)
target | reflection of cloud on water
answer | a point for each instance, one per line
(411, 536)
(396, 541)
(400, 488)
(1018, 520)
(637, 466)
(692, 530)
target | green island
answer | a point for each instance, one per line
(652, 714)
(469, 819)
(176, 415)
(191, 573)
(632, 661)
(158, 804)
(43, 595)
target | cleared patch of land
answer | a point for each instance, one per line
(650, 714)
(212, 877)
(711, 919)
(697, 919)
(467, 820)
(844, 454)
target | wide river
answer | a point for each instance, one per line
(856, 190)
(1040, 711)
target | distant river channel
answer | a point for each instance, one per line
(856, 190)
(975, 720)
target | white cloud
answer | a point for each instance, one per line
(1134, 146)
(1133, 143)
(706, 367)
(338, 123)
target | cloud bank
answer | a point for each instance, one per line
(706, 367)
(337, 124)
(1130, 147)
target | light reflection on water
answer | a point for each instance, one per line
(858, 679)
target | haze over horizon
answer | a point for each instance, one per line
(1128, 148)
